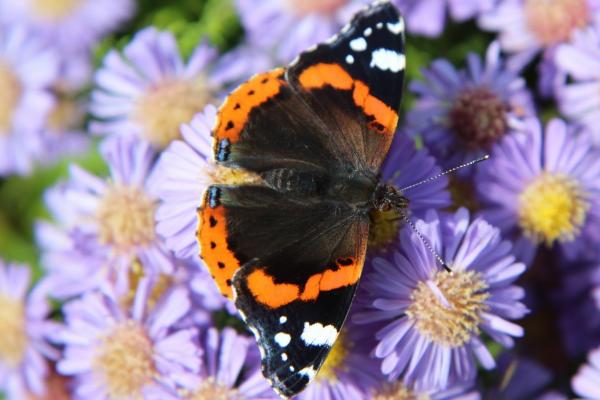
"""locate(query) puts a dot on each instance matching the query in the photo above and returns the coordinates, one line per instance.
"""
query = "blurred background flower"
(106, 112)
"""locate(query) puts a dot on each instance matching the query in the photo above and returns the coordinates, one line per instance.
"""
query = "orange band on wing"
(274, 295)
(212, 236)
(318, 76)
(234, 112)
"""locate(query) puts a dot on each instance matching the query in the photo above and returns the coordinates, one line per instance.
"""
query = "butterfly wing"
(292, 262)
(362, 68)
(294, 276)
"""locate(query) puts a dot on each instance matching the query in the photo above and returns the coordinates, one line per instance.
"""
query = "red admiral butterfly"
(289, 245)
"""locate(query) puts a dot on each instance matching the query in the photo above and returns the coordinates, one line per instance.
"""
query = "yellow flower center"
(305, 7)
(335, 360)
(552, 207)
(165, 107)
(10, 94)
(384, 228)
(126, 218)
(398, 391)
(54, 9)
(125, 361)
(553, 21)
(13, 338)
(210, 389)
(446, 309)
(65, 115)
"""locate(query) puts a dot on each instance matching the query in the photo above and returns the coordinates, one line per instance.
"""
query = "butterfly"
(288, 242)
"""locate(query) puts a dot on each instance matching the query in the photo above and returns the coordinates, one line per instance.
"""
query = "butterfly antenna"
(449, 171)
(425, 241)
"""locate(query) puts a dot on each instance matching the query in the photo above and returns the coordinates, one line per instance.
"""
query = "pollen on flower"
(305, 7)
(54, 9)
(125, 361)
(13, 340)
(446, 309)
(384, 228)
(552, 207)
(397, 391)
(553, 21)
(220, 174)
(478, 117)
(210, 389)
(126, 217)
(335, 361)
(10, 93)
(167, 105)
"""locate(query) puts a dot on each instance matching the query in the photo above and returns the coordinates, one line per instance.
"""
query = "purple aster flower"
(113, 219)
(528, 26)
(184, 171)
(23, 343)
(520, 378)
(461, 113)
(433, 320)
(428, 17)
(576, 300)
(149, 91)
(289, 27)
(579, 99)
(118, 352)
(544, 188)
(586, 383)
(399, 391)
(63, 133)
(71, 25)
(230, 370)
(405, 166)
(27, 70)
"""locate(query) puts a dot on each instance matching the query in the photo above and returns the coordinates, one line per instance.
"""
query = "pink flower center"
(478, 117)
(325, 7)
(553, 21)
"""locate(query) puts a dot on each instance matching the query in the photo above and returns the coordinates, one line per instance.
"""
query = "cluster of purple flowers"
(126, 309)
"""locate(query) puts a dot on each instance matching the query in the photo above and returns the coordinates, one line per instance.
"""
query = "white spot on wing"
(292, 368)
(397, 27)
(282, 339)
(385, 59)
(349, 59)
(284, 357)
(318, 335)
(282, 319)
(368, 32)
(310, 372)
(358, 44)
(379, 25)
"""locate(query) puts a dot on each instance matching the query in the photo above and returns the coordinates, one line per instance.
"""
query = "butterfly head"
(387, 197)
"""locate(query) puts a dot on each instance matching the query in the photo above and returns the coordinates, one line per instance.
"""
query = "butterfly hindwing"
(295, 273)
